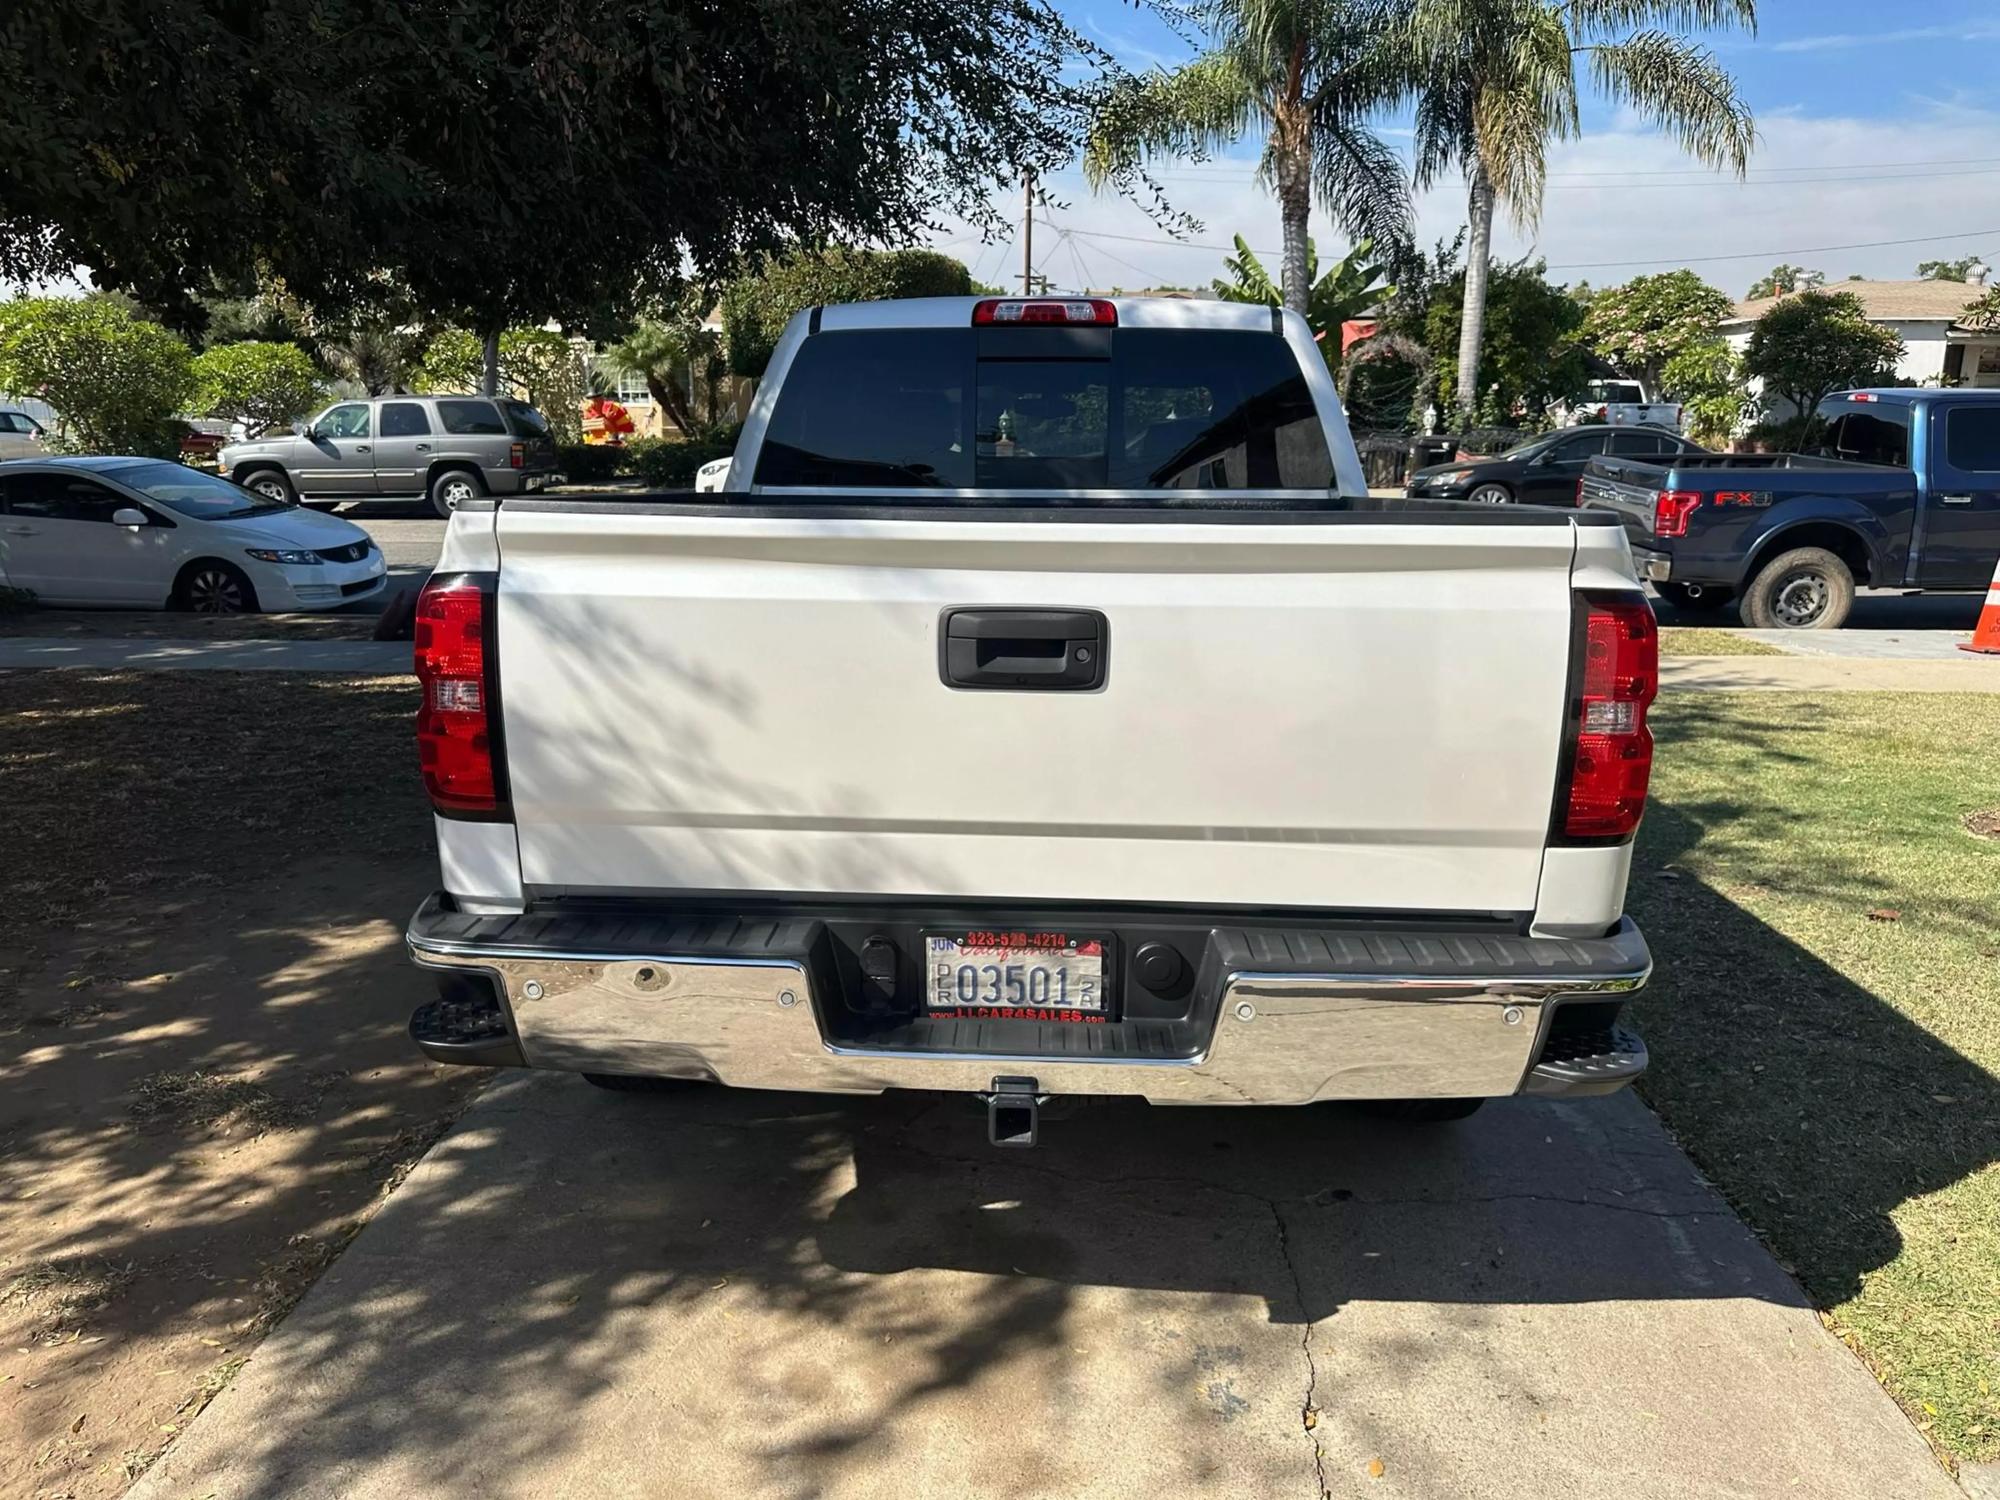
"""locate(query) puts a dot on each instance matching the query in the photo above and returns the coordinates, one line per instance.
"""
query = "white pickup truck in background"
(1043, 708)
(1620, 403)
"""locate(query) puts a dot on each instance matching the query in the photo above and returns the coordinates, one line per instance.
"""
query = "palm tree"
(681, 362)
(1495, 82)
(1301, 71)
(1349, 288)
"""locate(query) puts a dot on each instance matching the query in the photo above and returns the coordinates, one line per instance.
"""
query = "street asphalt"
(756, 1295)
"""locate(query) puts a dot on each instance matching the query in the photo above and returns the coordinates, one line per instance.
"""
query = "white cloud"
(1625, 196)
(1970, 31)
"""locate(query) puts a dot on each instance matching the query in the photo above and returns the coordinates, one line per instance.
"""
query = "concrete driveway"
(588, 1294)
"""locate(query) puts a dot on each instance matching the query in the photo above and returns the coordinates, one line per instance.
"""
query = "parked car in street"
(146, 533)
(443, 449)
(1900, 489)
(20, 435)
(1043, 707)
(1543, 470)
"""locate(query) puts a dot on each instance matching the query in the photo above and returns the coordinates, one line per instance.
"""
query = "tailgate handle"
(1022, 650)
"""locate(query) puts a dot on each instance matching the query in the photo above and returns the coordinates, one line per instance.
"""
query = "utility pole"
(1028, 234)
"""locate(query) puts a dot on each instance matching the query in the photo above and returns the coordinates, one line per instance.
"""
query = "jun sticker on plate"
(1026, 976)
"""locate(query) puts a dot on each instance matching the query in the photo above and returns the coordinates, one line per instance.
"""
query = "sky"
(1875, 123)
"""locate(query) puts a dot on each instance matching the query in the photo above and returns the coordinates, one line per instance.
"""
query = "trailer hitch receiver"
(1013, 1112)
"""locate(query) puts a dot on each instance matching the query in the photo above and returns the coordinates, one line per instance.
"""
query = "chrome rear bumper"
(754, 1021)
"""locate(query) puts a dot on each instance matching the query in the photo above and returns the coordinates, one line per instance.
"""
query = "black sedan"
(1543, 470)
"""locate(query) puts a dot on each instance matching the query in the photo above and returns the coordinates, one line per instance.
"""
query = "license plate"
(1031, 976)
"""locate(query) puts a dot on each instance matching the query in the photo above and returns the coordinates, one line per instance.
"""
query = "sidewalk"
(111, 654)
(1828, 674)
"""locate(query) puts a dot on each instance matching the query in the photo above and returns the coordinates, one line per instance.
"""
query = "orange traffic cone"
(1986, 634)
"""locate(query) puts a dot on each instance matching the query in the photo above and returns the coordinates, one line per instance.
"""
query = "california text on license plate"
(1026, 976)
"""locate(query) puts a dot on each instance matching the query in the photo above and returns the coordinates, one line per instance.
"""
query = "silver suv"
(444, 449)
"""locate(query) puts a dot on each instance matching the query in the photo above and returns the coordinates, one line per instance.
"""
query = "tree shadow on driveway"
(801, 1296)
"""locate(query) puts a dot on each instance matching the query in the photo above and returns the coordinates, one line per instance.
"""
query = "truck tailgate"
(1321, 712)
(1627, 487)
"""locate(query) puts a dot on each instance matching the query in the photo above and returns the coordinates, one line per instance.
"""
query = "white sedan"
(144, 533)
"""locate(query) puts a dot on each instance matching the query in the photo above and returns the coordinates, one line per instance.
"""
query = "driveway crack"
(1309, 1407)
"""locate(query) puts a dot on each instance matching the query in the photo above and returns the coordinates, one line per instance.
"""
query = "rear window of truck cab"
(1877, 433)
(1045, 409)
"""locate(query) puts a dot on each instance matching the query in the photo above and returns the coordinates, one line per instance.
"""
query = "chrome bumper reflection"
(1279, 1038)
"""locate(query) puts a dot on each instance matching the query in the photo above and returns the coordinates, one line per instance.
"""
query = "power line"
(1715, 182)
(1838, 171)
(1140, 239)
(1119, 260)
(1000, 261)
(1594, 265)
(1689, 260)
(1076, 259)
(1108, 255)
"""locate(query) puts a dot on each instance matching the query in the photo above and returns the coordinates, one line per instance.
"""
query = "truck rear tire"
(1807, 588)
(1423, 1111)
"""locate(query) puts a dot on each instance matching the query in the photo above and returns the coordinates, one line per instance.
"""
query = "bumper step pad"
(465, 1031)
(1587, 1062)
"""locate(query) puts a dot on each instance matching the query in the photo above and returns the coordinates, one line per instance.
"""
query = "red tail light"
(1611, 757)
(1578, 502)
(995, 311)
(1671, 509)
(457, 727)
(517, 456)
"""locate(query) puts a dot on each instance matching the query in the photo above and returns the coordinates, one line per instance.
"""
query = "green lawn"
(1825, 1018)
(1685, 640)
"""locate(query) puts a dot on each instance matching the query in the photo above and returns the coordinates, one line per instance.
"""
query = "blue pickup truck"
(1901, 489)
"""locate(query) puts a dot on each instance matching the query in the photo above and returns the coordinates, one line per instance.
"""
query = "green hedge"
(584, 463)
(666, 465)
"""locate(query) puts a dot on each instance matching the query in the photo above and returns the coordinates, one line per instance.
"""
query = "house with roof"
(1937, 348)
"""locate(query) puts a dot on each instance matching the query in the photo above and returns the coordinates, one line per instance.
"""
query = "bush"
(114, 380)
(1799, 434)
(665, 465)
(262, 385)
(584, 463)
(1484, 440)
(1815, 343)
(755, 308)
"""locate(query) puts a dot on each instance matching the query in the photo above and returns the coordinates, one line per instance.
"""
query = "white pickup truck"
(1044, 708)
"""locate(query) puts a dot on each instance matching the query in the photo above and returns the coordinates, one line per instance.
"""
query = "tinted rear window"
(1881, 436)
(527, 421)
(1972, 438)
(404, 419)
(471, 418)
(1135, 408)
(1642, 444)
